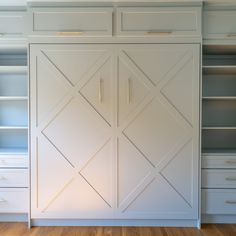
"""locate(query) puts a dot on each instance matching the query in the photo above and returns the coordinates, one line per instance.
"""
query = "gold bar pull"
(70, 33)
(231, 162)
(100, 90)
(231, 35)
(230, 178)
(129, 90)
(230, 202)
(159, 32)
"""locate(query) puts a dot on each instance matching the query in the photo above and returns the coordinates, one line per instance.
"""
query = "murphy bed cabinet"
(115, 123)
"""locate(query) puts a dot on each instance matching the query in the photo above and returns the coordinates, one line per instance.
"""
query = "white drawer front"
(159, 21)
(11, 162)
(13, 200)
(218, 201)
(219, 161)
(13, 178)
(219, 24)
(219, 178)
(12, 22)
(72, 21)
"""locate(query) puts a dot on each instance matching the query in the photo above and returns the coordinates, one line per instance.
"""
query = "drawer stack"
(219, 183)
(219, 131)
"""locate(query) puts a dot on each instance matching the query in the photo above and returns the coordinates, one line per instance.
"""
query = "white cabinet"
(13, 129)
(78, 21)
(162, 21)
(114, 131)
(218, 132)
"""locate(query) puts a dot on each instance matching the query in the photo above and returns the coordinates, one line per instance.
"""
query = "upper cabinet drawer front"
(219, 24)
(73, 21)
(157, 21)
(12, 22)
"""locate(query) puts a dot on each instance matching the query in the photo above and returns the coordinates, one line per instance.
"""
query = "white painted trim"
(112, 40)
(13, 217)
(139, 223)
(218, 219)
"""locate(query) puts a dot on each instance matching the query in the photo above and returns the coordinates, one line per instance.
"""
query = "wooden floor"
(20, 229)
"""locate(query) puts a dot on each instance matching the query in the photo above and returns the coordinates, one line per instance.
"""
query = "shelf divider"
(13, 69)
(13, 98)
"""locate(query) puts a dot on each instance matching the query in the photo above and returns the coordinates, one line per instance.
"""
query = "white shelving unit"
(219, 99)
(13, 129)
(219, 131)
(13, 99)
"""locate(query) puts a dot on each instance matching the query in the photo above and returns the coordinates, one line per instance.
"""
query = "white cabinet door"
(158, 114)
(71, 118)
(115, 131)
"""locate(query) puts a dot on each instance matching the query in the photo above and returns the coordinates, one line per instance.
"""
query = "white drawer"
(8, 161)
(219, 24)
(159, 21)
(72, 21)
(219, 161)
(13, 178)
(13, 200)
(12, 22)
(218, 201)
(218, 178)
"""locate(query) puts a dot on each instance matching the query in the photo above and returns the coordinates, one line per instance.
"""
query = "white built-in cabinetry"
(219, 132)
(115, 112)
(219, 115)
(13, 115)
(13, 130)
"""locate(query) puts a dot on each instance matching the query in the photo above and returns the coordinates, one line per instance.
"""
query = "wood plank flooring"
(20, 229)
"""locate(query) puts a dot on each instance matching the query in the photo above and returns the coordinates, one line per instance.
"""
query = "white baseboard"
(138, 223)
(11, 217)
(219, 219)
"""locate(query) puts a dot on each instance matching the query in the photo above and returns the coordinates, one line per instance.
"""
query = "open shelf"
(221, 60)
(14, 151)
(219, 139)
(218, 151)
(219, 85)
(219, 113)
(13, 113)
(13, 139)
(13, 57)
(13, 83)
